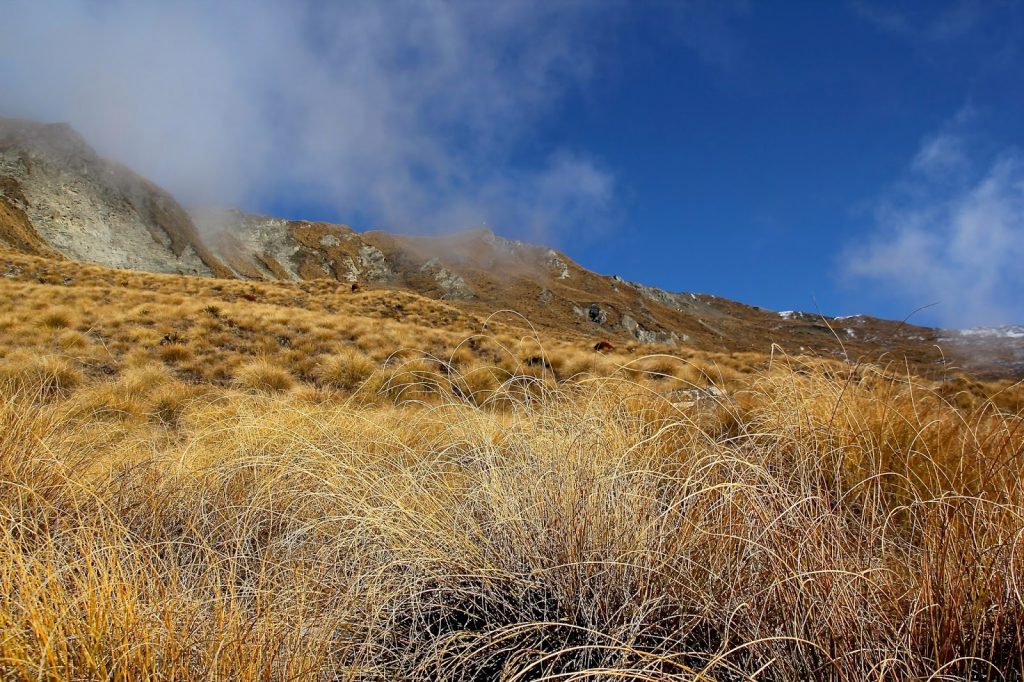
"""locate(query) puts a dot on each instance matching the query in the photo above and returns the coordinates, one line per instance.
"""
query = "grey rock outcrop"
(453, 286)
(648, 336)
(556, 264)
(374, 265)
(94, 210)
(592, 313)
(256, 235)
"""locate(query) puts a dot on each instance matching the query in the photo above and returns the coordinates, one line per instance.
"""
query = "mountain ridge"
(59, 198)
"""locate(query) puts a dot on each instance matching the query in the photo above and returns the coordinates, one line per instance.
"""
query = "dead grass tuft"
(345, 371)
(45, 376)
(56, 318)
(263, 375)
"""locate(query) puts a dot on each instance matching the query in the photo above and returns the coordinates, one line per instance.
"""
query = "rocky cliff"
(58, 195)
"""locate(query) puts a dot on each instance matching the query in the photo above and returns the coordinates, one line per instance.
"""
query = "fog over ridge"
(405, 114)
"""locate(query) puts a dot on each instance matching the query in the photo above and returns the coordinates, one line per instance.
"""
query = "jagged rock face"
(454, 286)
(681, 302)
(557, 265)
(648, 336)
(93, 210)
(253, 246)
(373, 265)
(16, 229)
(271, 248)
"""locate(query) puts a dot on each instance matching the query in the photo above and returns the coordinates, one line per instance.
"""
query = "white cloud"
(940, 154)
(408, 113)
(933, 23)
(955, 240)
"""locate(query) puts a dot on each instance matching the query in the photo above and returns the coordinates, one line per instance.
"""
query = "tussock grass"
(263, 375)
(205, 479)
(45, 376)
(836, 530)
(346, 370)
(56, 318)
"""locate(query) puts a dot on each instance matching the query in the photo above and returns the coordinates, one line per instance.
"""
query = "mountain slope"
(59, 198)
(481, 272)
(88, 208)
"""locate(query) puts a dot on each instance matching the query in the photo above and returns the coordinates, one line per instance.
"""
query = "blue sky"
(845, 157)
(758, 173)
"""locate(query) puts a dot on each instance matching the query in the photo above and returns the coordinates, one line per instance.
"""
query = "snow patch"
(1003, 332)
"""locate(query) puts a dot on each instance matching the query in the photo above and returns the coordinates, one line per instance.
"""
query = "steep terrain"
(481, 272)
(221, 479)
(59, 198)
(88, 208)
(275, 474)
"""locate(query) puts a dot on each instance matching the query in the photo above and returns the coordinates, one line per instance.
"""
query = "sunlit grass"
(828, 530)
(313, 493)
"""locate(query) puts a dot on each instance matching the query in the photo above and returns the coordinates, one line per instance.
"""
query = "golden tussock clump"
(56, 318)
(346, 370)
(45, 376)
(263, 375)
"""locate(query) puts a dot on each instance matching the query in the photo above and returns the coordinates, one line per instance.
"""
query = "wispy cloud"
(406, 113)
(951, 232)
(930, 22)
(940, 154)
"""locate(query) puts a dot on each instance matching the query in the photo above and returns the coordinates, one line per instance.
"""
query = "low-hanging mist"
(403, 115)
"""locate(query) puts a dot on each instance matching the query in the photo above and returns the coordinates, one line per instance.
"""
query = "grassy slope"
(526, 282)
(217, 479)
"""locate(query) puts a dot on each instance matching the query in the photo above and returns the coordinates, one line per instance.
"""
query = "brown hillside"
(481, 273)
(60, 198)
(221, 479)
